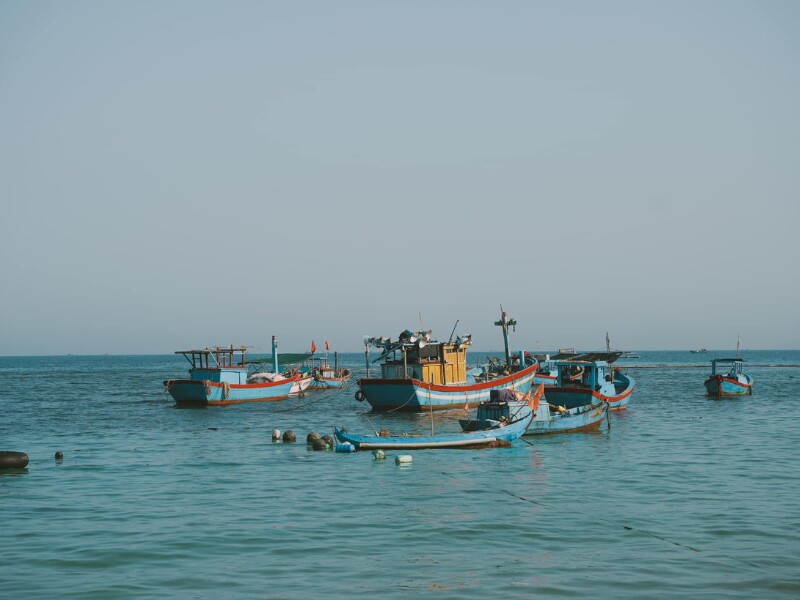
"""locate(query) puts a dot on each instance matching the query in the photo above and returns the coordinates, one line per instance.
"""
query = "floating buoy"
(59, 455)
(289, 436)
(345, 447)
(311, 437)
(379, 454)
(319, 444)
(13, 460)
(402, 459)
(276, 434)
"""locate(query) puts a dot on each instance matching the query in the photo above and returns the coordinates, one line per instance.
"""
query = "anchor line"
(643, 531)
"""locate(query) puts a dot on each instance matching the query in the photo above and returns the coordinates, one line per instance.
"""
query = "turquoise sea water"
(684, 496)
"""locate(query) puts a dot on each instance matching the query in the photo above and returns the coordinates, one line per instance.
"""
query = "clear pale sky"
(179, 174)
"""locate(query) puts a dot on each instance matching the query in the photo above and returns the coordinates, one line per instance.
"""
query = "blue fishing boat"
(494, 436)
(547, 418)
(546, 372)
(598, 382)
(221, 376)
(327, 376)
(421, 374)
(728, 379)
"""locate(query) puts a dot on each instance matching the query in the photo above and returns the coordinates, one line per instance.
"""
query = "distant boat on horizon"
(700, 351)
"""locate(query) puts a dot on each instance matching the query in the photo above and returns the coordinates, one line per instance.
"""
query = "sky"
(180, 174)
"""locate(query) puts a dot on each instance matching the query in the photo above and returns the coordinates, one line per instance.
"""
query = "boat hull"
(577, 420)
(191, 392)
(329, 383)
(718, 385)
(488, 438)
(301, 385)
(545, 378)
(572, 396)
(323, 382)
(412, 395)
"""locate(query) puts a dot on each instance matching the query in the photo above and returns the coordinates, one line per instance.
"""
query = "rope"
(629, 528)
(404, 403)
(324, 396)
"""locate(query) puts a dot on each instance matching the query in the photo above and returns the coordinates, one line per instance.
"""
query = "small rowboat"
(501, 435)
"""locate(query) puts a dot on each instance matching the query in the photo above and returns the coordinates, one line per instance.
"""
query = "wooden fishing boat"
(547, 418)
(599, 383)
(547, 373)
(421, 374)
(327, 376)
(221, 376)
(498, 435)
(728, 379)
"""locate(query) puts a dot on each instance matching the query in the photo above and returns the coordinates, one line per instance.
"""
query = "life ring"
(360, 396)
(13, 460)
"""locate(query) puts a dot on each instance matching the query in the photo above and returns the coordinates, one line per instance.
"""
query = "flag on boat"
(327, 345)
(313, 347)
(536, 398)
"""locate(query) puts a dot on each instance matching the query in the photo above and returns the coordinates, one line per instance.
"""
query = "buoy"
(345, 447)
(13, 460)
(311, 437)
(289, 436)
(402, 459)
(319, 444)
(379, 454)
(59, 455)
(276, 434)
(360, 396)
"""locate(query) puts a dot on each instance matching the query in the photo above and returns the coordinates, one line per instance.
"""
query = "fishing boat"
(547, 373)
(699, 351)
(598, 382)
(728, 379)
(221, 376)
(547, 418)
(500, 434)
(294, 365)
(327, 376)
(421, 374)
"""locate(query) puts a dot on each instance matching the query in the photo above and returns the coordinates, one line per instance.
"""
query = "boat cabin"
(437, 363)
(594, 373)
(218, 364)
(728, 367)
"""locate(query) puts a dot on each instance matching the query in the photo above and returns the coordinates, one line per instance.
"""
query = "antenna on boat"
(737, 344)
(505, 322)
(452, 332)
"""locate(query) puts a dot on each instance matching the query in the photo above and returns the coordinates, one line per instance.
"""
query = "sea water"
(680, 496)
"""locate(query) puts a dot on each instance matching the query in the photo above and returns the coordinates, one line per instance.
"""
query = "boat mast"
(366, 353)
(505, 323)
(274, 354)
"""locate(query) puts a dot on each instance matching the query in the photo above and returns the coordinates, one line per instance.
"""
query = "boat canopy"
(608, 357)
(284, 359)
(216, 356)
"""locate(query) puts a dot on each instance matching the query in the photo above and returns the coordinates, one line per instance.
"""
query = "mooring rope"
(629, 528)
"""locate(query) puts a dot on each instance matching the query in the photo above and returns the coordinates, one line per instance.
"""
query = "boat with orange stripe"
(420, 374)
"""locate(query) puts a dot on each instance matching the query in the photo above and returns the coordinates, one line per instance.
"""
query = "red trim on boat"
(453, 388)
